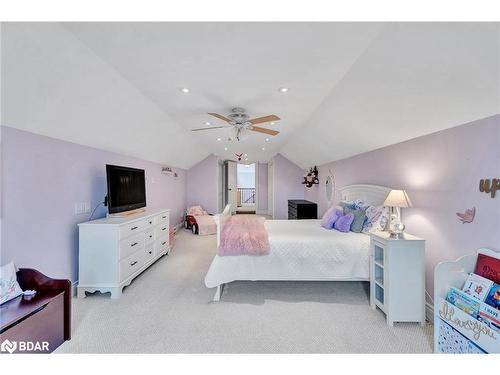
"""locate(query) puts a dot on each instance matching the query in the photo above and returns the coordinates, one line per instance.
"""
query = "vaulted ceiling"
(353, 87)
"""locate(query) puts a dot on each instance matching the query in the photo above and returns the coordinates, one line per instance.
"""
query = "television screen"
(126, 188)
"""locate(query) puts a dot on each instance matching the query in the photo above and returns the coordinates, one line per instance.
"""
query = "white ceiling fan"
(241, 123)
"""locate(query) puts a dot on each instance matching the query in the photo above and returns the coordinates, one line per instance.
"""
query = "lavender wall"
(441, 174)
(42, 179)
(262, 182)
(286, 185)
(202, 188)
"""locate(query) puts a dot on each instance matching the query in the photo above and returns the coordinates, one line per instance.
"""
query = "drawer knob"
(150, 252)
(134, 228)
(135, 243)
(163, 228)
(150, 222)
(163, 243)
(150, 236)
(133, 263)
(163, 217)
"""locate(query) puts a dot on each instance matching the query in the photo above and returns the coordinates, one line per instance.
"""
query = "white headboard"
(370, 194)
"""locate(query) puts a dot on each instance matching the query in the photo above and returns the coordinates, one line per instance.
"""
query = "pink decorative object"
(244, 235)
(196, 211)
(467, 216)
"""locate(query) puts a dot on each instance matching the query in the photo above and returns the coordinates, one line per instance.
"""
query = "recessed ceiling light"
(225, 148)
(219, 139)
(267, 139)
(185, 90)
(272, 123)
(263, 148)
(208, 123)
(283, 89)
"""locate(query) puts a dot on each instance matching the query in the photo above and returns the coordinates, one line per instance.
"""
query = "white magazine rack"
(454, 330)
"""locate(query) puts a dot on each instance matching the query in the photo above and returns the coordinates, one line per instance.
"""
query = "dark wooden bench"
(45, 318)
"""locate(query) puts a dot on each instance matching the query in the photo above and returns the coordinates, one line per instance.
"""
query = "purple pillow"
(343, 223)
(330, 217)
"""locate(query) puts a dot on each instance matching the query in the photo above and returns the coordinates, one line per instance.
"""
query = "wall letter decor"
(489, 186)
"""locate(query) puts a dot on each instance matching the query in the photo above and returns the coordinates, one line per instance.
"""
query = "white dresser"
(114, 250)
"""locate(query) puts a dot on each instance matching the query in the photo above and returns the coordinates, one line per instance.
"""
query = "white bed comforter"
(300, 250)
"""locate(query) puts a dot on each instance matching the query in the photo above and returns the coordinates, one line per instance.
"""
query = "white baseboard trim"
(74, 285)
(429, 312)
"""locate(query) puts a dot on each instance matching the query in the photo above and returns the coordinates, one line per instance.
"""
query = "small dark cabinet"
(302, 209)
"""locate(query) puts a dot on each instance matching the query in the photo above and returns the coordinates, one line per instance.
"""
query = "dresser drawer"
(162, 218)
(131, 245)
(149, 253)
(161, 230)
(133, 228)
(151, 222)
(149, 236)
(161, 246)
(131, 264)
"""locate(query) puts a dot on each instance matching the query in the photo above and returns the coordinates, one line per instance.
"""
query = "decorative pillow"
(358, 220)
(330, 217)
(9, 287)
(343, 223)
(357, 204)
(377, 218)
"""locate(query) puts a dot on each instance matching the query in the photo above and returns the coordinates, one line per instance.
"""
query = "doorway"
(245, 188)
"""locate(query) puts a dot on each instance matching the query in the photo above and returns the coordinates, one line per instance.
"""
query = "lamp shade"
(397, 198)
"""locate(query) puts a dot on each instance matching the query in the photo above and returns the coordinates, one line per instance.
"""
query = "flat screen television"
(126, 188)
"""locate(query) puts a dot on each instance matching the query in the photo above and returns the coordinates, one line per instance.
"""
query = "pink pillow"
(330, 217)
(343, 223)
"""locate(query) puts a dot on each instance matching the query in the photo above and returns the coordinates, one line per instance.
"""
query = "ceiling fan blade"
(219, 117)
(212, 127)
(260, 120)
(264, 130)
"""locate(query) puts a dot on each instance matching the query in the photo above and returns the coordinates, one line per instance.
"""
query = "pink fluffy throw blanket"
(244, 235)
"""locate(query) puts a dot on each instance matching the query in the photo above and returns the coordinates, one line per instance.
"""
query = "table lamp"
(396, 200)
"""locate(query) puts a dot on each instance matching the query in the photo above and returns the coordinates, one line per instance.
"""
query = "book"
(477, 286)
(489, 316)
(493, 297)
(463, 301)
(488, 267)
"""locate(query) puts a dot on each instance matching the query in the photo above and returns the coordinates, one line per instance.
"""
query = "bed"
(301, 250)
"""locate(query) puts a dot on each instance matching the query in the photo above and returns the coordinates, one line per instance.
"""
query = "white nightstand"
(397, 277)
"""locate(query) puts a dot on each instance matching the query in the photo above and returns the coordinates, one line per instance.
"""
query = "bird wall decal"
(467, 216)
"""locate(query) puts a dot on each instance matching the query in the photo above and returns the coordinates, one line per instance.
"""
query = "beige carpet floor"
(168, 309)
